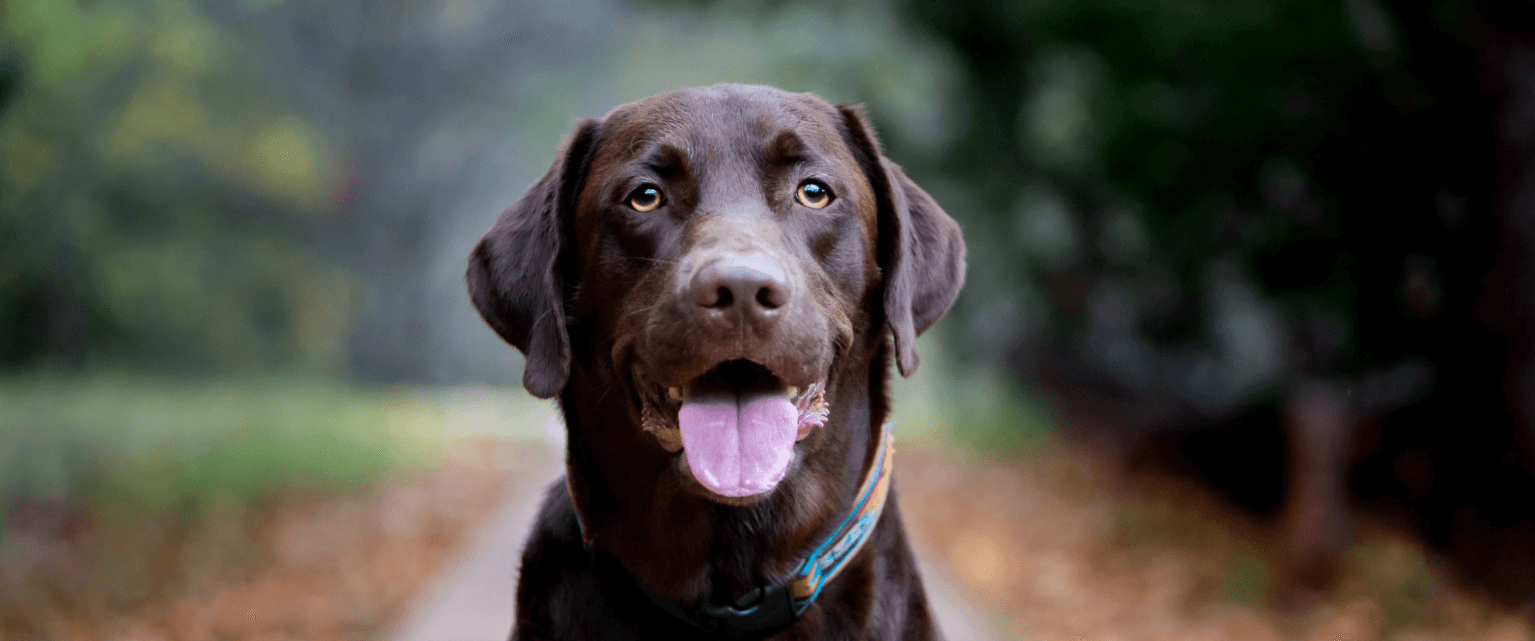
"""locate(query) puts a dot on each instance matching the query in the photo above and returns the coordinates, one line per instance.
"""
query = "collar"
(772, 608)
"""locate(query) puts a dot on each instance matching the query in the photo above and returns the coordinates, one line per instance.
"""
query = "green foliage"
(1397, 574)
(1185, 195)
(1247, 579)
(980, 408)
(151, 201)
(994, 414)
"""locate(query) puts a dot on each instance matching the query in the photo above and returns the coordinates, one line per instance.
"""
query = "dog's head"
(715, 252)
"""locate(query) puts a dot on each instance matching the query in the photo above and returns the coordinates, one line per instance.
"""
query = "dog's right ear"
(514, 271)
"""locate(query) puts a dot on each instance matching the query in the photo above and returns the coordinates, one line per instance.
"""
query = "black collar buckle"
(755, 615)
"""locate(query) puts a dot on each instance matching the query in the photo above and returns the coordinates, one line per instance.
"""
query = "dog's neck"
(686, 548)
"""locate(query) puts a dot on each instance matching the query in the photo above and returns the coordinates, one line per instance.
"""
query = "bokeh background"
(1245, 352)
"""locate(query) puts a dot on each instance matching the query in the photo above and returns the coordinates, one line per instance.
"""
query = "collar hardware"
(762, 611)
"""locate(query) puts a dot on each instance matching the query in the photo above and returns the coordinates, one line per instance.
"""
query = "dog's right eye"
(646, 198)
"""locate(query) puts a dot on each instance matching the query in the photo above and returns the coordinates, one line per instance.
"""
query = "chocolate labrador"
(705, 280)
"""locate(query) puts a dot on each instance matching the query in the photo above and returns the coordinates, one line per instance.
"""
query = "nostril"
(771, 297)
(710, 293)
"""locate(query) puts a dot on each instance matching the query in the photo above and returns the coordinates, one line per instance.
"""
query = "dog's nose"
(751, 284)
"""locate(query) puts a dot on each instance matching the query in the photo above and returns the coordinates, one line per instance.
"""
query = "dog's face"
(715, 253)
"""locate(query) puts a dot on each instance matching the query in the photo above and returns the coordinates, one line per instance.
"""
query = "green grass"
(157, 448)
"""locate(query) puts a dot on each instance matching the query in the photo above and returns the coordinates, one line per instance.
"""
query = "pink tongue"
(738, 443)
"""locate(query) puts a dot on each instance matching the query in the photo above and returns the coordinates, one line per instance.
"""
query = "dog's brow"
(667, 160)
(787, 148)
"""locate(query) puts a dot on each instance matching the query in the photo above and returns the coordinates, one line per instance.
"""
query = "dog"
(713, 283)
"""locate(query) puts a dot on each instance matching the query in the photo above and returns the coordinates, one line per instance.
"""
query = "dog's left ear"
(920, 250)
(514, 271)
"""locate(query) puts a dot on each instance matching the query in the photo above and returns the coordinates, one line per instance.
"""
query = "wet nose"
(751, 286)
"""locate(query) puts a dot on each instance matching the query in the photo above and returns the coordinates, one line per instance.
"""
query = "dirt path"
(472, 598)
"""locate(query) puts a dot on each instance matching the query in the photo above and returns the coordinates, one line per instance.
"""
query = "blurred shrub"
(152, 199)
(1208, 199)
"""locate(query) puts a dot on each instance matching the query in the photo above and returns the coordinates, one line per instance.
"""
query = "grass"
(123, 445)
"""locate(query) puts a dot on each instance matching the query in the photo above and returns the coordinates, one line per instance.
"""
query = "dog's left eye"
(813, 194)
(646, 198)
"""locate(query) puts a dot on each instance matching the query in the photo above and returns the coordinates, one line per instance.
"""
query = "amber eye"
(646, 198)
(813, 194)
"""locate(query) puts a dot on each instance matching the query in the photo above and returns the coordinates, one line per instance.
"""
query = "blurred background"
(1247, 348)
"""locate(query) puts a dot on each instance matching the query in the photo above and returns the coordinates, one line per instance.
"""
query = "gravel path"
(472, 599)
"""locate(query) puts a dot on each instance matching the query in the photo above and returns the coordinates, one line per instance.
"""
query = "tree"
(1241, 220)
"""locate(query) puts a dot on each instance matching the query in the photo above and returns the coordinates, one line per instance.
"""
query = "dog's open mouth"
(737, 425)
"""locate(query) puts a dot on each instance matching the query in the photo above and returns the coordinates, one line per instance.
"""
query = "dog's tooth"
(675, 393)
(793, 392)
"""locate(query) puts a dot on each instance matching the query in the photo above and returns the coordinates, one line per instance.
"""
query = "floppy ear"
(920, 250)
(514, 271)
